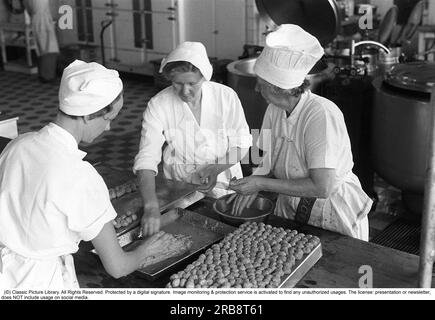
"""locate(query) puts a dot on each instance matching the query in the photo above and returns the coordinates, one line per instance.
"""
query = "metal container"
(242, 79)
(401, 126)
(204, 231)
(387, 61)
(321, 18)
(259, 210)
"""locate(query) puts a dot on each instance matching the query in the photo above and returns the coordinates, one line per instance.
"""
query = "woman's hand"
(240, 202)
(150, 222)
(206, 177)
(246, 186)
(156, 243)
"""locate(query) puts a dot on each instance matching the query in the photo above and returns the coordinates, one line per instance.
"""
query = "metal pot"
(400, 126)
(259, 210)
(242, 79)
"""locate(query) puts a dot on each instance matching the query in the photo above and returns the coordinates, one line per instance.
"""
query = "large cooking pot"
(242, 79)
(401, 128)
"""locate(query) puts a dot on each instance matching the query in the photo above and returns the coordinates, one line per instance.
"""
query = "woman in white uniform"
(308, 158)
(43, 28)
(50, 199)
(203, 124)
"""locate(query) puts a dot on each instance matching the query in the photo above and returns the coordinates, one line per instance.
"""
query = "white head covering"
(193, 52)
(86, 88)
(289, 55)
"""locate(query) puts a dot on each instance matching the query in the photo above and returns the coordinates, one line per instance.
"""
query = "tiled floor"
(35, 104)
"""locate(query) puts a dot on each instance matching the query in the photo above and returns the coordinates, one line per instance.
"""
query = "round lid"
(318, 17)
(415, 76)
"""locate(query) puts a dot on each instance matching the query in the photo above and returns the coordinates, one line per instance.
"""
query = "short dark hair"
(98, 113)
(178, 67)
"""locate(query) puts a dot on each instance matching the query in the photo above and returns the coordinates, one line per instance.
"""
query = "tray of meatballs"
(202, 252)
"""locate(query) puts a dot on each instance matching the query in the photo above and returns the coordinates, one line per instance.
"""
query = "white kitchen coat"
(168, 118)
(50, 200)
(43, 26)
(315, 136)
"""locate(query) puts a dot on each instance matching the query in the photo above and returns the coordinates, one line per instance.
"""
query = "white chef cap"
(193, 52)
(289, 55)
(86, 88)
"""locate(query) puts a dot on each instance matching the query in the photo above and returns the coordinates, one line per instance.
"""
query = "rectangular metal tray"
(301, 268)
(134, 200)
(170, 194)
(203, 230)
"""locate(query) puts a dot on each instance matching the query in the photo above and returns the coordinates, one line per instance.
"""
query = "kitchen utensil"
(387, 25)
(259, 210)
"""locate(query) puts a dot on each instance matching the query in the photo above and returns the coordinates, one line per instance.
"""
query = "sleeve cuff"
(139, 165)
(325, 164)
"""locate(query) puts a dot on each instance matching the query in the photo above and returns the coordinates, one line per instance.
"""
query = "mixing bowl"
(259, 210)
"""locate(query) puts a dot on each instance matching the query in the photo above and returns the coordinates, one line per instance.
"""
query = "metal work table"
(338, 268)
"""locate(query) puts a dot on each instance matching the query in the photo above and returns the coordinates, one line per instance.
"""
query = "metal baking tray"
(170, 194)
(203, 230)
(133, 201)
(301, 268)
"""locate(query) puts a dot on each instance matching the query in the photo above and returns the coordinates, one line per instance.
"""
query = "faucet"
(354, 45)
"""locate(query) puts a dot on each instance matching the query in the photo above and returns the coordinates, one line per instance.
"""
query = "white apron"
(17, 271)
(43, 26)
(330, 214)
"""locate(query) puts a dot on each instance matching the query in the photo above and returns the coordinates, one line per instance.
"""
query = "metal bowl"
(259, 210)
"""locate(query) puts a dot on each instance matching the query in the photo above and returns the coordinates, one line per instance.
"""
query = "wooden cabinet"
(230, 28)
(164, 25)
(219, 24)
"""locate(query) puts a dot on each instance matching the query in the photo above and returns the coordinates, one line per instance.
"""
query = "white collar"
(65, 138)
(294, 115)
